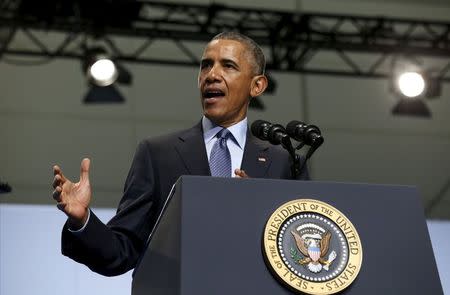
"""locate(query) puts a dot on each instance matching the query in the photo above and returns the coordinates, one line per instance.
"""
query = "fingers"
(71, 197)
(84, 173)
(241, 173)
(57, 185)
(57, 194)
(58, 182)
(57, 197)
(57, 171)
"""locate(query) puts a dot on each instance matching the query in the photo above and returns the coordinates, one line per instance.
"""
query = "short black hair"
(259, 60)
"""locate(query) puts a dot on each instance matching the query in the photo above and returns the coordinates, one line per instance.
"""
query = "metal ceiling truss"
(292, 40)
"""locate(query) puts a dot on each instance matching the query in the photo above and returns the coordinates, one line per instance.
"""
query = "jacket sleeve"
(114, 248)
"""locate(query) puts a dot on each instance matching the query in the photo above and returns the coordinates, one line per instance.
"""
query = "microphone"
(309, 134)
(274, 133)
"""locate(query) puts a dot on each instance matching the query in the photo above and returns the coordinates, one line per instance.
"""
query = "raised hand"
(73, 198)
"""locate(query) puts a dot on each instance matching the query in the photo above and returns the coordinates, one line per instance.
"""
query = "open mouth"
(213, 94)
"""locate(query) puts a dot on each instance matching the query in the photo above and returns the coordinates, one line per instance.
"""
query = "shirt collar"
(239, 131)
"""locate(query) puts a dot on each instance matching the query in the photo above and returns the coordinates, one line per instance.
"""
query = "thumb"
(84, 173)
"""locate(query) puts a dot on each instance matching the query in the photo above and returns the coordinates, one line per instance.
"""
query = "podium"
(208, 239)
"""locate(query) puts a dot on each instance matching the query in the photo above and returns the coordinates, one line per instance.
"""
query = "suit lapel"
(256, 159)
(191, 148)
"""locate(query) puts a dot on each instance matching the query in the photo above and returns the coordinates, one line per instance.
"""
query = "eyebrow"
(222, 61)
(226, 60)
(205, 61)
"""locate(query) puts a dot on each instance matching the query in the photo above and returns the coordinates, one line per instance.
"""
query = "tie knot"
(223, 134)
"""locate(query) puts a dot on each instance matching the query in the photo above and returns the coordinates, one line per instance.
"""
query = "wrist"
(76, 224)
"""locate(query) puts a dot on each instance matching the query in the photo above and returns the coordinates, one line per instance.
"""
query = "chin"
(214, 117)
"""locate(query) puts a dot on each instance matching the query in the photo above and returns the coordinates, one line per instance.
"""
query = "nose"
(213, 75)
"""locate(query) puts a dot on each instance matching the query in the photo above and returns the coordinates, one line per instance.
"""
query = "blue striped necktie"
(220, 159)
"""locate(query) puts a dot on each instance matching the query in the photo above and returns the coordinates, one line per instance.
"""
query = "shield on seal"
(314, 253)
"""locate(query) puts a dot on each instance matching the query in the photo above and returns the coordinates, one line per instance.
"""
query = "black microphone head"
(260, 129)
(290, 127)
(313, 136)
(275, 134)
(296, 130)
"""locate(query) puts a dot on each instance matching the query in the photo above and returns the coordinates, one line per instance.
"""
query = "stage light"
(103, 72)
(411, 84)
(99, 67)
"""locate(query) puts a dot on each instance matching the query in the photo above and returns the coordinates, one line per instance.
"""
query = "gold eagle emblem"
(314, 248)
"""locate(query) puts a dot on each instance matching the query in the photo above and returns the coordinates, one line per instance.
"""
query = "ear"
(259, 84)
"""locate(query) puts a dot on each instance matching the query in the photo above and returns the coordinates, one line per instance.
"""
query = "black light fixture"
(413, 87)
(102, 73)
(412, 83)
(99, 68)
(409, 86)
(103, 95)
(5, 188)
(413, 107)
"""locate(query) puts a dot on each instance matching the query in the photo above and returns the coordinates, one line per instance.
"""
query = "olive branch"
(295, 255)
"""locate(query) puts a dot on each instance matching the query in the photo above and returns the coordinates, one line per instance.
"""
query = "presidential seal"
(312, 247)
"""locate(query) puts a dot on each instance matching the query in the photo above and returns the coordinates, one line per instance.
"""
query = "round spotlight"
(103, 72)
(411, 84)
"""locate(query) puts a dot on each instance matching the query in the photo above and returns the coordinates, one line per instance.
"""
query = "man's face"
(226, 81)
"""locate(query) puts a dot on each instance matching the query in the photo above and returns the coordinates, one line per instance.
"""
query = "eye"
(230, 66)
(205, 64)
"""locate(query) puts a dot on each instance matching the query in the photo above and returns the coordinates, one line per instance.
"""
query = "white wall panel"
(31, 261)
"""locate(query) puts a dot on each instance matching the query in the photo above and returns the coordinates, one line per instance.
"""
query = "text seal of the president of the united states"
(312, 247)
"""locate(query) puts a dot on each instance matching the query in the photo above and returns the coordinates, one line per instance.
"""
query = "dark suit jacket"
(114, 248)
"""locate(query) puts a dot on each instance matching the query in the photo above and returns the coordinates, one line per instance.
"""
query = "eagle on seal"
(314, 252)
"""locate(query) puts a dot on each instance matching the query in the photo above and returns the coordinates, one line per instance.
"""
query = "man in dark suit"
(231, 73)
